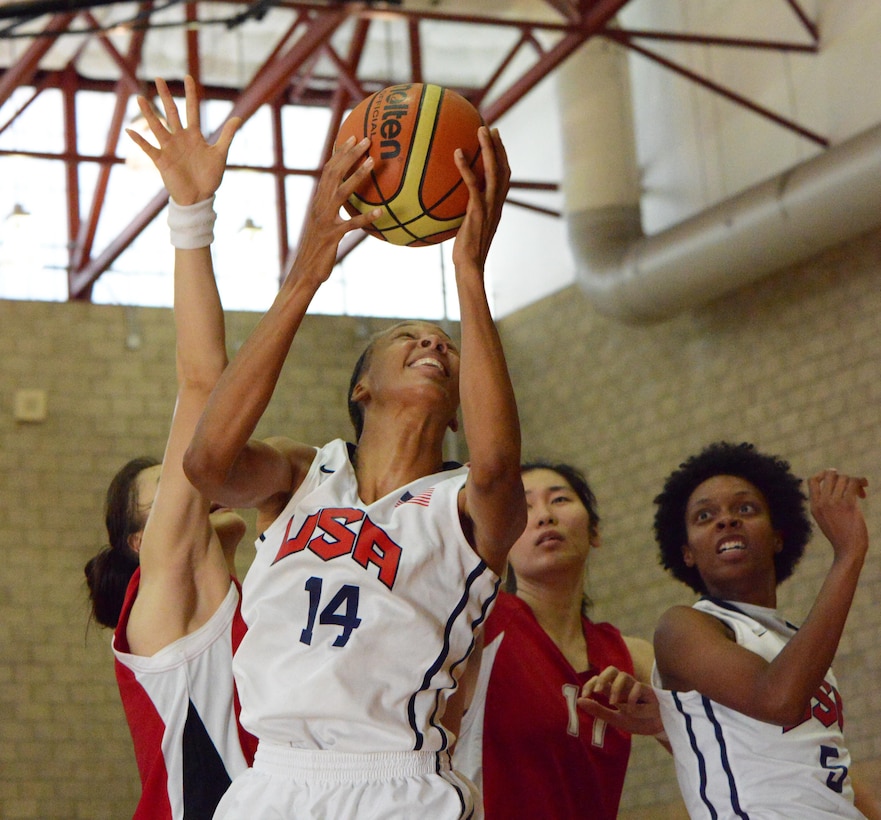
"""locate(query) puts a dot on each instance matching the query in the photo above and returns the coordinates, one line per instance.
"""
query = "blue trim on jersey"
(439, 661)
(475, 625)
(450, 779)
(484, 613)
(699, 758)
(722, 604)
(723, 758)
(732, 608)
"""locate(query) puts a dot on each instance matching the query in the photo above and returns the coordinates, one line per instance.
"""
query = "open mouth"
(428, 361)
(730, 546)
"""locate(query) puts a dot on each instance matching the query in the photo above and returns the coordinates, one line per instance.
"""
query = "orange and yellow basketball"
(414, 128)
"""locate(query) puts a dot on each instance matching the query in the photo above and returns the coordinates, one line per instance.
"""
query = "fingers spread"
(171, 115)
(194, 117)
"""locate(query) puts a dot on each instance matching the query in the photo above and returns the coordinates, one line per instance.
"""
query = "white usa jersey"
(733, 766)
(360, 616)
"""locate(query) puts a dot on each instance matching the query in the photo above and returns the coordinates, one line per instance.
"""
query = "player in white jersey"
(164, 582)
(749, 703)
(375, 566)
(735, 765)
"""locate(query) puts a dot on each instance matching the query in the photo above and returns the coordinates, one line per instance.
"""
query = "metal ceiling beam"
(22, 72)
(343, 96)
(290, 75)
(806, 21)
(265, 87)
(719, 89)
(30, 9)
(594, 17)
(126, 67)
(752, 43)
(71, 165)
(85, 239)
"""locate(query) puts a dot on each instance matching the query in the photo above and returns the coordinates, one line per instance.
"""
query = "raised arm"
(493, 506)
(695, 651)
(223, 460)
(184, 575)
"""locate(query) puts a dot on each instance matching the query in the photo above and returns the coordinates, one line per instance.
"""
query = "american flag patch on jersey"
(422, 499)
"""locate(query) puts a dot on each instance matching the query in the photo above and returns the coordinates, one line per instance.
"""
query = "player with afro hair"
(769, 474)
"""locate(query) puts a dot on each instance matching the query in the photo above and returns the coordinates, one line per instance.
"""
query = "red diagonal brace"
(23, 71)
(267, 85)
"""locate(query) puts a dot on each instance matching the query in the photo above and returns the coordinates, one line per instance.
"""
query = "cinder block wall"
(791, 363)
(64, 745)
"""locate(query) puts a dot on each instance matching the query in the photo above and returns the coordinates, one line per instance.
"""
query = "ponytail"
(108, 573)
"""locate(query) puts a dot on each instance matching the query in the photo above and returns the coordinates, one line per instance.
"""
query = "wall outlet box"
(30, 404)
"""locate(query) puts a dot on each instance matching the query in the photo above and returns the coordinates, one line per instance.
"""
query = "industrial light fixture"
(250, 229)
(18, 213)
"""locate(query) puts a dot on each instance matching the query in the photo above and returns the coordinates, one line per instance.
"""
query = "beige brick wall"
(65, 751)
(791, 363)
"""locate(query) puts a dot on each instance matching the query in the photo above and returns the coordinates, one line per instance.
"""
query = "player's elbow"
(201, 373)
(199, 382)
(202, 469)
(783, 708)
(497, 470)
(792, 714)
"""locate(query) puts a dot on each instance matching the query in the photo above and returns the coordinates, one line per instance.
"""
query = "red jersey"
(541, 755)
(182, 712)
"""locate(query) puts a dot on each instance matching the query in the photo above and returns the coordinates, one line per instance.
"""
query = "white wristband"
(191, 226)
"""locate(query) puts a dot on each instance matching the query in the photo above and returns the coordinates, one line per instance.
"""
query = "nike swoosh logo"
(325, 470)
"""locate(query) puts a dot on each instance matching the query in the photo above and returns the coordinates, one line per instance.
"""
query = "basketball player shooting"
(376, 562)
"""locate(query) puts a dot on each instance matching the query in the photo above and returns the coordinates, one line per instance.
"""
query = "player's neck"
(557, 611)
(385, 462)
(758, 592)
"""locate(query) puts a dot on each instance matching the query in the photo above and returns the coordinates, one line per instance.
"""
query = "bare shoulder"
(298, 457)
(681, 621)
(686, 639)
(298, 454)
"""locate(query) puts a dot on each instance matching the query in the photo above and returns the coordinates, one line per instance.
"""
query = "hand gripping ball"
(414, 128)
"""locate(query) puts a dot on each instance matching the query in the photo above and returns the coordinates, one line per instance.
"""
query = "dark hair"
(108, 573)
(356, 412)
(771, 475)
(578, 482)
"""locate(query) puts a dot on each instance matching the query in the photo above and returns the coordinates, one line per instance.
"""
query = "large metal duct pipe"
(640, 279)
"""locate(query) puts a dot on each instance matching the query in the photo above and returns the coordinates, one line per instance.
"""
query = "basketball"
(414, 128)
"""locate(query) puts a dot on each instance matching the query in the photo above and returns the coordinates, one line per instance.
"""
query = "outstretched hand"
(191, 169)
(633, 706)
(484, 206)
(836, 509)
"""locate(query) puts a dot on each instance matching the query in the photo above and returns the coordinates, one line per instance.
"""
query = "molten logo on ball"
(390, 126)
(414, 129)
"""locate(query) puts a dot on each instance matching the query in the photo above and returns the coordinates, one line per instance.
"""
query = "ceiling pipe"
(641, 279)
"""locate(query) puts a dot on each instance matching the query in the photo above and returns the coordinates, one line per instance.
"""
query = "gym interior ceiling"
(277, 53)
